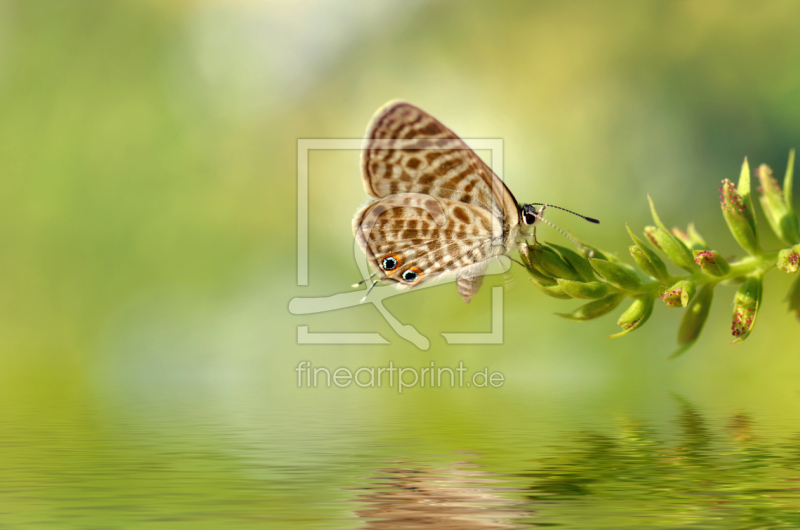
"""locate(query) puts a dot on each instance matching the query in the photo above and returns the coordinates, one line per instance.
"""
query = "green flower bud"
(636, 315)
(711, 262)
(541, 278)
(594, 309)
(586, 290)
(672, 247)
(551, 290)
(591, 252)
(746, 193)
(535, 268)
(690, 239)
(745, 308)
(554, 265)
(577, 262)
(642, 260)
(689, 288)
(672, 296)
(698, 242)
(779, 214)
(615, 274)
(693, 319)
(676, 251)
(737, 208)
(788, 259)
(682, 236)
(648, 260)
(679, 294)
(650, 234)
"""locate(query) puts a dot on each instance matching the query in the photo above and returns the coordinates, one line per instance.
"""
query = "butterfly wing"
(407, 150)
(410, 238)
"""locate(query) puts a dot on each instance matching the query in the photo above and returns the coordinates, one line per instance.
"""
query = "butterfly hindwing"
(411, 238)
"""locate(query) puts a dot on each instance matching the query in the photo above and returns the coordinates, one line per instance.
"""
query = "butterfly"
(437, 210)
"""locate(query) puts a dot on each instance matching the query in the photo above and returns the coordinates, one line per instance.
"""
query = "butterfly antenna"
(371, 287)
(565, 233)
(364, 280)
(590, 219)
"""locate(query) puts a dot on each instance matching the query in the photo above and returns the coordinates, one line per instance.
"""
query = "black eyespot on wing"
(410, 275)
(389, 263)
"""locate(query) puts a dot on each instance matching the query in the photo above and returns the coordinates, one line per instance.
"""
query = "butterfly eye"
(389, 263)
(410, 275)
(528, 214)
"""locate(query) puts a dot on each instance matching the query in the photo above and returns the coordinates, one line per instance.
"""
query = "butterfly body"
(437, 210)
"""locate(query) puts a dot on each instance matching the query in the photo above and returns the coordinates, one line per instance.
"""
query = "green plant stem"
(743, 267)
(738, 269)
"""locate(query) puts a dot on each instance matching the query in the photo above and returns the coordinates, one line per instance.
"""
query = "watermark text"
(392, 376)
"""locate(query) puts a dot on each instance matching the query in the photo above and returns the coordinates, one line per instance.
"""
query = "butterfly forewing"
(408, 150)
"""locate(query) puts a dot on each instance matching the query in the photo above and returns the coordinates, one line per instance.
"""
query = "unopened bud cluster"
(606, 281)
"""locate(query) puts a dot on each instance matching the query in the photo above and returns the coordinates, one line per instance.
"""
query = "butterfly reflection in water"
(438, 210)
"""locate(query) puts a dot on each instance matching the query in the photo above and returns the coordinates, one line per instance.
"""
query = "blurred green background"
(148, 190)
(148, 152)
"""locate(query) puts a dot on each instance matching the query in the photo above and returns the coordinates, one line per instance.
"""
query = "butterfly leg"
(530, 237)
(539, 217)
(522, 246)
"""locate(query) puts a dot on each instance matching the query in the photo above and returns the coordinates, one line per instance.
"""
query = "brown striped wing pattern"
(439, 210)
(407, 150)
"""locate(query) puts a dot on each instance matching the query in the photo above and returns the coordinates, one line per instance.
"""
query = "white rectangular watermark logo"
(341, 301)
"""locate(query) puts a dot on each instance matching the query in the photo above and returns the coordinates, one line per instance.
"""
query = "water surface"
(235, 455)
